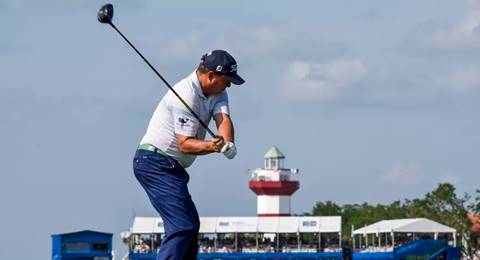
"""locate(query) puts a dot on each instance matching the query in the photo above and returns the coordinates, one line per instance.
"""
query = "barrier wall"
(421, 249)
(279, 256)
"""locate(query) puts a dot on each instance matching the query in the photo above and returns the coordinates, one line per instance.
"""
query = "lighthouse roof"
(274, 152)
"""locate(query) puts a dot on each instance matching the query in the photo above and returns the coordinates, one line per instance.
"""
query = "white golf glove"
(229, 150)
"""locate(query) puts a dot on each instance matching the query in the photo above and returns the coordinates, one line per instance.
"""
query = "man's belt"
(151, 148)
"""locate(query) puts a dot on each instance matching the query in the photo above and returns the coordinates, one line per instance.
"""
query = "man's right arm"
(190, 145)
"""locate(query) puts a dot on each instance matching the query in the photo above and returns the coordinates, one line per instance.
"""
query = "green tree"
(441, 205)
(327, 208)
(444, 206)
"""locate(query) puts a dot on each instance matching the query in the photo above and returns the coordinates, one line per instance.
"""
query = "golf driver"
(105, 15)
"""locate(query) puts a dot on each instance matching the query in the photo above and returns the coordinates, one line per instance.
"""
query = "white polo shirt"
(172, 117)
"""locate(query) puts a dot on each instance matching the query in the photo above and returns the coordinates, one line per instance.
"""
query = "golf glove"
(229, 150)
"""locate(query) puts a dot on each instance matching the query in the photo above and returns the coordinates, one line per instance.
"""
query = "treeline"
(442, 205)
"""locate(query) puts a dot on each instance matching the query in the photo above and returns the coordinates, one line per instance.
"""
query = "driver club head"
(105, 14)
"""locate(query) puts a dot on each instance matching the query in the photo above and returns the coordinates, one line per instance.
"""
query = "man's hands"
(217, 143)
(190, 145)
(229, 150)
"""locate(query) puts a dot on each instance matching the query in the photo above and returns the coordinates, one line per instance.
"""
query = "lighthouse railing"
(274, 175)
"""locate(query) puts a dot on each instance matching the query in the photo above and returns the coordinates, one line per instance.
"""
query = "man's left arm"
(225, 126)
(225, 129)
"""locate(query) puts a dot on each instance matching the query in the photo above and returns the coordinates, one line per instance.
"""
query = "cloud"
(252, 44)
(442, 57)
(461, 37)
(403, 173)
(71, 5)
(312, 82)
(465, 79)
(470, 23)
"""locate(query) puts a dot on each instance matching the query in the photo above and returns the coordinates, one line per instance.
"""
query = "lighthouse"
(274, 185)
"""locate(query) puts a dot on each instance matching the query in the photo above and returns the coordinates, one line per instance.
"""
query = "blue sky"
(372, 100)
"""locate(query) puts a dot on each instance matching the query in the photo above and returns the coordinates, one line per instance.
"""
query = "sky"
(373, 101)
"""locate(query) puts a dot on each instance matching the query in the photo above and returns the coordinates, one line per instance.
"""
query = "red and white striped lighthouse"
(273, 185)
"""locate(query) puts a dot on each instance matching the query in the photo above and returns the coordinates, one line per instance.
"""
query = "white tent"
(225, 225)
(257, 225)
(267, 225)
(287, 225)
(409, 225)
(210, 225)
(246, 224)
(235, 225)
(143, 225)
(158, 226)
(330, 224)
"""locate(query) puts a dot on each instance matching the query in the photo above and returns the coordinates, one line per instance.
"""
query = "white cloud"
(464, 34)
(465, 79)
(403, 173)
(185, 47)
(471, 21)
(445, 56)
(253, 43)
(306, 81)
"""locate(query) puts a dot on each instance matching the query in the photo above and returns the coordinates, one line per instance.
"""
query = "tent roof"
(288, 225)
(158, 226)
(408, 225)
(209, 225)
(143, 225)
(331, 224)
(235, 225)
(268, 224)
(81, 232)
(246, 224)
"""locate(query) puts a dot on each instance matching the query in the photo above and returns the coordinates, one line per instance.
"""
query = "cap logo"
(233, 68)
(219, 68)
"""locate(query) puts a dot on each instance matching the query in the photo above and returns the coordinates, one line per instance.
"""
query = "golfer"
(173, 140)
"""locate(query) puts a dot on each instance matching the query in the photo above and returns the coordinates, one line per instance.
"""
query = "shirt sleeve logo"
(183, 121)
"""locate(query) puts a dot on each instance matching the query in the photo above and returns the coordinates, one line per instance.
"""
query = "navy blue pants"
(165, 182)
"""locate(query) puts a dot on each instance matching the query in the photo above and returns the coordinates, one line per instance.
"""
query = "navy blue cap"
(223, 63)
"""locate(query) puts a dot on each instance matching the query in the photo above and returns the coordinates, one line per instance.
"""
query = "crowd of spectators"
(266, 243)
(245, 243)
(145, 243)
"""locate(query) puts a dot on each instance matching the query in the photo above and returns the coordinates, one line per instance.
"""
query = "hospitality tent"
(211, 225)
(208, 225)
(273, 226)
(409, 225)
(144, 225)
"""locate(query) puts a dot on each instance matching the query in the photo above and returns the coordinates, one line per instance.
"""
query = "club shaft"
(166, 83)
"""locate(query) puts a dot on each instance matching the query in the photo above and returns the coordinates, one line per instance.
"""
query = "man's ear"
(210, 76)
